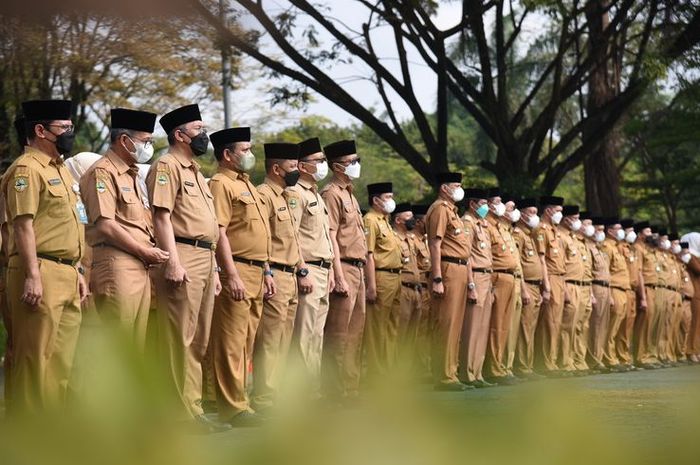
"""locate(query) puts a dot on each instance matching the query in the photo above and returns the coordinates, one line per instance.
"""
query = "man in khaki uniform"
(672, 321)
(185, 226)
(121, 227)
(449, 252)
(683, 342)
(383, 281)
(423, 262)
(342, 343)
(45, 219)
(575, 285)
(553, 257)
(644, 356)
(279, 311)
(664, 296)
(412, 286)
(505, 262)
(513, 216)
(584, 240)
(242, 252)
(629, 251)
(312, 223)
(523, 234)
(475, 330)
(600, 315)
(619, 285)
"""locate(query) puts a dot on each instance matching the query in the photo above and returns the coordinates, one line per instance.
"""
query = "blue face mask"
(482, 211)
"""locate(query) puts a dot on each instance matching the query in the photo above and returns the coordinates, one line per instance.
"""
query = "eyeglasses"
(65, 127)
(318, 160)
(350, 162)
(146, 143)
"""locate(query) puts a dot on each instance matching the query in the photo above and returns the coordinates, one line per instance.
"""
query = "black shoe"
(207, 426)
(209, 406)
(503, 380)
(451, 387)
(617, 369)
(246, 419)
(481, 384)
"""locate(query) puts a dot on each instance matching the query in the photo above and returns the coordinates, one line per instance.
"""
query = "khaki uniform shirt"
(382, 241)
(663, 268)
(110, 190)
(676, 280)
(601, 262)
(442, 222)
(176, 185)
(345, 220)
(574, 259)
(410, 272)
(480, 235)
(687, 289)
(552, 247)
(311, 221)
(646, 256)
(284, 248)
(619, 274)
(43, 188)
(503, 249)
(586, 256)
(529, 257)
(629, 251)
(423, 256)
(240, 209)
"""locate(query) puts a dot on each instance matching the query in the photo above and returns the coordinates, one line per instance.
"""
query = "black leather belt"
(322, 263)
(258, 263)
(578, 283)
(619, 288)
(458, 261)
(285, 268)
(62, 261)
(389, 270)
(415, 286)
(534, 282)
(651, 286)
(353, 262)
(601, 283)
(482, 270)
(510, 272)
(196, 243)
(668, 288)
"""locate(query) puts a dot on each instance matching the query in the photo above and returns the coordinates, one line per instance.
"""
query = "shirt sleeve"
(23, 192)
(538, 235)
(99, 194)
(333, 205)
(371, 233)
(163, 185)
(437, 225)
(222, 201)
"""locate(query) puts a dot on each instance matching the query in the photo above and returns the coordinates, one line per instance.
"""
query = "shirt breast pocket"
(243, 208)
(284, 223)
(57, 201)
(190, 188)
(132, 208)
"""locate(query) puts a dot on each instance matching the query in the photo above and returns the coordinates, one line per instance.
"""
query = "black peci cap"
(46, 110)
(379, 188)
(641, 225)
(548, 200)
(403, 207)
(611, 221)
(475, 193)
(229, 136)
(585, 215)
(685, 245)
(627, 223)
(570, 210)
(527, 203)
(493, 192)
(673, 237)
(123, 118)
(309, 147)
(281, 151)
(339, 149)
(180, 116)
(447, 178)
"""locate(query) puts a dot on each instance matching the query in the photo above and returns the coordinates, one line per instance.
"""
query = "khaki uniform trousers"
(308, 327)
(121, 290)
(644, 328)
(568, 324)
(448, 312)
(269, 356)
(581, 328)
(229, 340)
(618, 312)
(526, 332)
(341, 361)
(7, 322)
(686, 327)
(549, 327)
(684, 320)
(598, 327)
(671, 326)
(502, 310)
(409, 321)
(44, 336)
(665, 300)
(425, 332)
(514, 328)
(623, 344)
(184, 320)
(475, 330)
(382, 325)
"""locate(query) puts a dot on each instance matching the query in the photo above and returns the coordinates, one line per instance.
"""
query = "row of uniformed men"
(282, 254)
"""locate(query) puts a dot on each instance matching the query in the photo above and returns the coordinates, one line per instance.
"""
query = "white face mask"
(514, 216)
(458, 194)
(556, 218)
(631, 237)
(499, 209)
(665, 245)
(620, 235)
(589, 230)
(247, 162)
(389, 206)
(321, 171)
(533, 221)
(685, 258)
(353, 170)
(676, 249)
(575, 225)
(143, 154)
(599, 236)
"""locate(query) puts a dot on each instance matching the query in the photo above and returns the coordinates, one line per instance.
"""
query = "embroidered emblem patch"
(162, 179)
(292, 203)
(21, 183)
(100, 186)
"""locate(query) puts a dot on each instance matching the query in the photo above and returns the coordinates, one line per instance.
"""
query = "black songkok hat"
(548, 200)
(475, 193)
(282, 151)
(123, 118)
(493, 192)
(182, 115)
(46, 110)
(569, 210)
(309, 147)
(685, 245)
(339, 149)
(673, 237)
(229, 136)
(403, 207)
(641, 225)
(585, 215)
(627, 223)
(527, 203)
(379, 188)
(447, 178)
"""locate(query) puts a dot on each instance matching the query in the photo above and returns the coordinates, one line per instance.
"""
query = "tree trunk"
(602, 178)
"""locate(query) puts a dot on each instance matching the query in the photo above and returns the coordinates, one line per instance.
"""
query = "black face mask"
(199, 144)
(291, 178)
(64, 142)
(410, 224)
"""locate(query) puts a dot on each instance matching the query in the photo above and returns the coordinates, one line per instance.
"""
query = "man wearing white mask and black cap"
(691, 259)
(576, 286)
(634, 267)
(600, 315)
(120, 226)
(312, 225)
(584, 237)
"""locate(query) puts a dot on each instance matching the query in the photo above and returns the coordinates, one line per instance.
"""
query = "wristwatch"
(471, 286)
(437, 280)
(268, 273)
(302, 272)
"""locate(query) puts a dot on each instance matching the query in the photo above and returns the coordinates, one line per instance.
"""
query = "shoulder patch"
(100, 186)
(162, 178)
(540, 237)
(293, 203)
(21, 183)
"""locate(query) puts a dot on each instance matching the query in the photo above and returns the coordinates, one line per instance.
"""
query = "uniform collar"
(43, 158)
(526, 229)
(347, 185)
(235, 175)
(375, 213)
(121, 166)
(276, 188)
(185, 161)
(308, 185)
